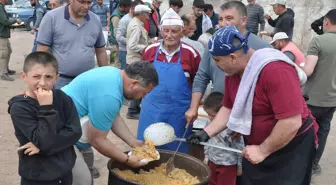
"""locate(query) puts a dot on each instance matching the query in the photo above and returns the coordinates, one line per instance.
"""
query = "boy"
(224, 166)
(46, 125)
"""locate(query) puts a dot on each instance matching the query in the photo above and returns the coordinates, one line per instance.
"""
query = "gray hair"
(139, 13)
(144, 72)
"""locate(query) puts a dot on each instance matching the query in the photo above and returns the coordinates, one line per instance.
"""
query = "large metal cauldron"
(192, 165)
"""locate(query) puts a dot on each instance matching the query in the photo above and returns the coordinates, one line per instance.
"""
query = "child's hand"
(239, 171)
(44, 97)
(30, 149)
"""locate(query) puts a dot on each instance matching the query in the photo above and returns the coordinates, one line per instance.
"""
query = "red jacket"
(190, 58)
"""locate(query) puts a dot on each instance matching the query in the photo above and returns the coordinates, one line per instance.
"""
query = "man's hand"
(32, 31)
(44, 97)
(135, 143)
(239, 171)
(30, 149)
(267, 16)
(198, 137)
(254, 154)
(134, 162)
(191, 115)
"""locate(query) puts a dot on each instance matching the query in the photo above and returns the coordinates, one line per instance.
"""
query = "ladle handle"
(215, 146)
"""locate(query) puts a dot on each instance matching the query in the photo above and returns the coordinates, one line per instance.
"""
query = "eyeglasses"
(88, 3)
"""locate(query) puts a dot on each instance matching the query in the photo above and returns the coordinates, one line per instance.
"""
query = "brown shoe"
(6, 77)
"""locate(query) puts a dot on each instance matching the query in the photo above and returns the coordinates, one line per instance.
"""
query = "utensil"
(170, 162)
(163, 133)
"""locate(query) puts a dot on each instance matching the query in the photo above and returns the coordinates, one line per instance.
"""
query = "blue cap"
(221, 43)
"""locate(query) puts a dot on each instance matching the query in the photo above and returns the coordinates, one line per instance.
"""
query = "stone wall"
(306, 11)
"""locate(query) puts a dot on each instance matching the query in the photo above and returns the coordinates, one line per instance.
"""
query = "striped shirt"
(101, 11)
(255, 16)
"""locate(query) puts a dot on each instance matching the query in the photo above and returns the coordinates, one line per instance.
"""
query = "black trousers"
(134, 107)
(323, 116)
(67, 180)
(291, 165)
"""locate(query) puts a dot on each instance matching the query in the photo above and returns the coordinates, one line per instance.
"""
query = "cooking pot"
(191, 164)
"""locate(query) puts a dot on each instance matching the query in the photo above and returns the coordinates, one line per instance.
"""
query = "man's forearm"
(120, 129)
(102, 58)
(218, 124)
(196, 99)
(108, 149)
(283, 132)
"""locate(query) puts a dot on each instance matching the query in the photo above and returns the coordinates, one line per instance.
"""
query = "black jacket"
(284, 23)
(54, 129)
(317, 26)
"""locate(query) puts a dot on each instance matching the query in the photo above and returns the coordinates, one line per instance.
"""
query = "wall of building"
(306, 11)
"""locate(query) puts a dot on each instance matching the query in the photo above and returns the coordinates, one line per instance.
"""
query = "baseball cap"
(279, 36)
(282, 2)
(142, 8)
(221, 43)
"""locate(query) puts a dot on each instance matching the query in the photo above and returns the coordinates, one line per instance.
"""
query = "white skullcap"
(142, 8)
(281, 2)
(171, 18)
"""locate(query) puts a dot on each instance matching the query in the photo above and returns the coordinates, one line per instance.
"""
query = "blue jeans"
(35, 42)
(122, 59)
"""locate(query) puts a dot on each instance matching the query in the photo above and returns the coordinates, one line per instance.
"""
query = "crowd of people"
(167, 62)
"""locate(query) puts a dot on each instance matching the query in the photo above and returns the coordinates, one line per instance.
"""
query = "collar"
(163, 50)
(67, 13)
(139, 21)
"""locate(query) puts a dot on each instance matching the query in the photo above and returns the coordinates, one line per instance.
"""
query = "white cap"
(282, 2)
(279, 36)
(171, 18)
(142, 8)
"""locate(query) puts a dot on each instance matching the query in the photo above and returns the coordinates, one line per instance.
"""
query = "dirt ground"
(21, 44)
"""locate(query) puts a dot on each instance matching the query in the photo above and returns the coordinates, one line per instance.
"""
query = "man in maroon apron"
(282, 139)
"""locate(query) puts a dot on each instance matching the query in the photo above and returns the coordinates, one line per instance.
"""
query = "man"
(98, 95)
(118, 13)
(152, 25)
(188, 30)
(121, 33)
(320, 87)
(113, 5)
(284, 22)
(39, 12)
(317, 26)
(209, 11)
(55, 3)
(137, 40)
(104, 14)
(280, 131)
(232, 13)
(281, 42)
(176, 64)
(255, 17)
(5, 46)
(74, 39)
(176, 5)
(203, 22)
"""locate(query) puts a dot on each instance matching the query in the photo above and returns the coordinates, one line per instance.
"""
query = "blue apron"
(167, 102)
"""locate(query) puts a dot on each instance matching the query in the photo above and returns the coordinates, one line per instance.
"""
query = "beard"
(130, 96)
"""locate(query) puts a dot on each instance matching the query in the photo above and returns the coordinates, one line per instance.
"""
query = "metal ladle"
(163, 133)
